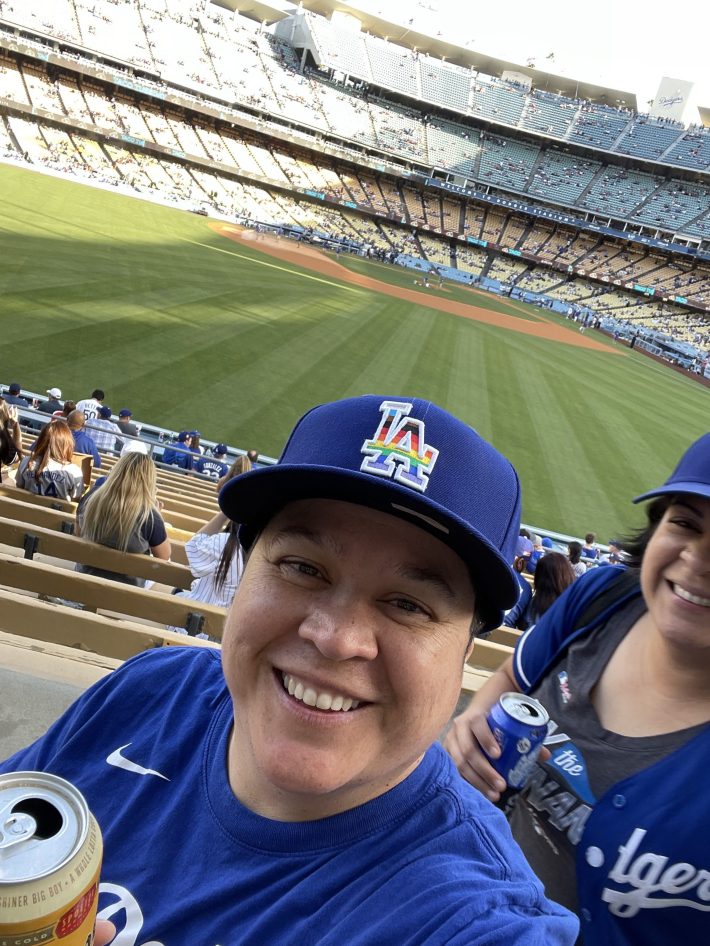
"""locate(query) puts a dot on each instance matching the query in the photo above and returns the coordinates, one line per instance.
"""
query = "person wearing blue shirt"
(177, 453)
(213, 466)
(83, 442)
(13, 396)
(291, 789)
(614, 818)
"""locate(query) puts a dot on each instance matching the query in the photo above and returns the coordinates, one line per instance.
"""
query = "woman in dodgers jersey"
(615, 818)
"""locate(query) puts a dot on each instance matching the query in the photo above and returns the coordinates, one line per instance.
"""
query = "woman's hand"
(466, 741)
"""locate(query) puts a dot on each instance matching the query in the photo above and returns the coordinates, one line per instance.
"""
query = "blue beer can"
(519, 724)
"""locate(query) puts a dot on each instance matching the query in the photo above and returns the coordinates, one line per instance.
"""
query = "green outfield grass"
(189, 329)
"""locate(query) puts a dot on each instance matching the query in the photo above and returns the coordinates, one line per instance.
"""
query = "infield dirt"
(314, 260)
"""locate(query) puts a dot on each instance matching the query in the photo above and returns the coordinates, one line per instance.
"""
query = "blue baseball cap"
(547, 542)
(409, 458)
(124, 412)
(219, 449)
(692, 475)
(105, 412)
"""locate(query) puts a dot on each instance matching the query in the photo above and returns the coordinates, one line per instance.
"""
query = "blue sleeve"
(539, 647)
(516, 612)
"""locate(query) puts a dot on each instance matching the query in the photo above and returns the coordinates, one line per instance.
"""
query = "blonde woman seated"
(121, 512)
(49, 469)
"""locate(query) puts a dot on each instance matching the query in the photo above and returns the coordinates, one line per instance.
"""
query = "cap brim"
(252, 498)
(688, 487)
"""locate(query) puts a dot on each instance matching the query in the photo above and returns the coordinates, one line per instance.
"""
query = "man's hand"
(105, 932)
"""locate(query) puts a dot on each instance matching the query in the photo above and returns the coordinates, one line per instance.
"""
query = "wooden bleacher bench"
(55, 624)
(46, 502)
(38, 515)
(107, 595)
(33, 513)
(35, 539)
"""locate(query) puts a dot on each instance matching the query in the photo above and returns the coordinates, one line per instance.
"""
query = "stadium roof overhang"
(460, 55)
(265, 11)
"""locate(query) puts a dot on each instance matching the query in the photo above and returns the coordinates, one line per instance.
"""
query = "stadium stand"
(190, 130)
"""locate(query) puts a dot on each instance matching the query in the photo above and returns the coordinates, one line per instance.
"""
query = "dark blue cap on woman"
(691, 476)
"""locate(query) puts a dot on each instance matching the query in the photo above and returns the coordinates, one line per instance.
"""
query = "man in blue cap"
(294, 791)
(213, 466)
(177, 452)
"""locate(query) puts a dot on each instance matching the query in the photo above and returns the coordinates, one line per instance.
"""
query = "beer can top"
(44, 820)
(524, 709)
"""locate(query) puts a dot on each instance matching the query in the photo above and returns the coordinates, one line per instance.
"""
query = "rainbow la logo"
(398, 450)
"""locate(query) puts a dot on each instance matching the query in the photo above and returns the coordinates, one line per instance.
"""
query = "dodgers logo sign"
(398, 450)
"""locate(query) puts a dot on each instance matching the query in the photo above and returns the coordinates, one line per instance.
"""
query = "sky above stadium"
(626, 44)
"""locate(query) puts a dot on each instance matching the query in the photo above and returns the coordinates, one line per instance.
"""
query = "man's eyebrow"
(428, 576)
(310, 535)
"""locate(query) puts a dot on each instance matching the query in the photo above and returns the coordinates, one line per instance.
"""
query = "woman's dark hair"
(553, 573)
(575, 552)
(590, 537)
(225, 559)
(69, 406)
(636, 542)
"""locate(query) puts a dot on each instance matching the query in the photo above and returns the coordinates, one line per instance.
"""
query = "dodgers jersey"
(642, 849)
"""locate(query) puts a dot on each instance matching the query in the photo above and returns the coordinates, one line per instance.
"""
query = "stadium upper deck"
(231, 59)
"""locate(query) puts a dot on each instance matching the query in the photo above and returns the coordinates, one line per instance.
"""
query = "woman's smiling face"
(675, 575)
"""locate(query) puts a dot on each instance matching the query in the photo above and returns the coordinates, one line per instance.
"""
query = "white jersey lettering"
(650, 874)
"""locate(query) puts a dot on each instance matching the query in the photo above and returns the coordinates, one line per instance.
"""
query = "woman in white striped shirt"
(215, 557)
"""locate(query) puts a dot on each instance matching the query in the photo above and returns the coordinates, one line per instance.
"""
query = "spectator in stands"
(524, 544)
(241, 465)
(105, 433)
(90, 405)
(304, 759)
(553, 575)
(49, 469)
(524, 592)
(195, 447)
(177, 453)
(615, 555)
(13, 396)
(10, 436)
(253, 456)
(52, 403)
(574, 554)
(621, 662)
(69, 406)
(126, 425)
(536, 554)
(213, 466)
(121, 511)
(83, 442)
(590, 552)
(216, 560)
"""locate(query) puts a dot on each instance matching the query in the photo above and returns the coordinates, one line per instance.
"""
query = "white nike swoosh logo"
(121, 762)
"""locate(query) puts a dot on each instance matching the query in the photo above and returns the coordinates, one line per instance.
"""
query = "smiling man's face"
(343, 653)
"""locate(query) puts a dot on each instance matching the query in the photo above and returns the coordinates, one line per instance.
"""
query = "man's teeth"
(311, 697)
(686, 596)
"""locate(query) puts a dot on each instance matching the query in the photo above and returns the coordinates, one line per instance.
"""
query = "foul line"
(260, 262)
